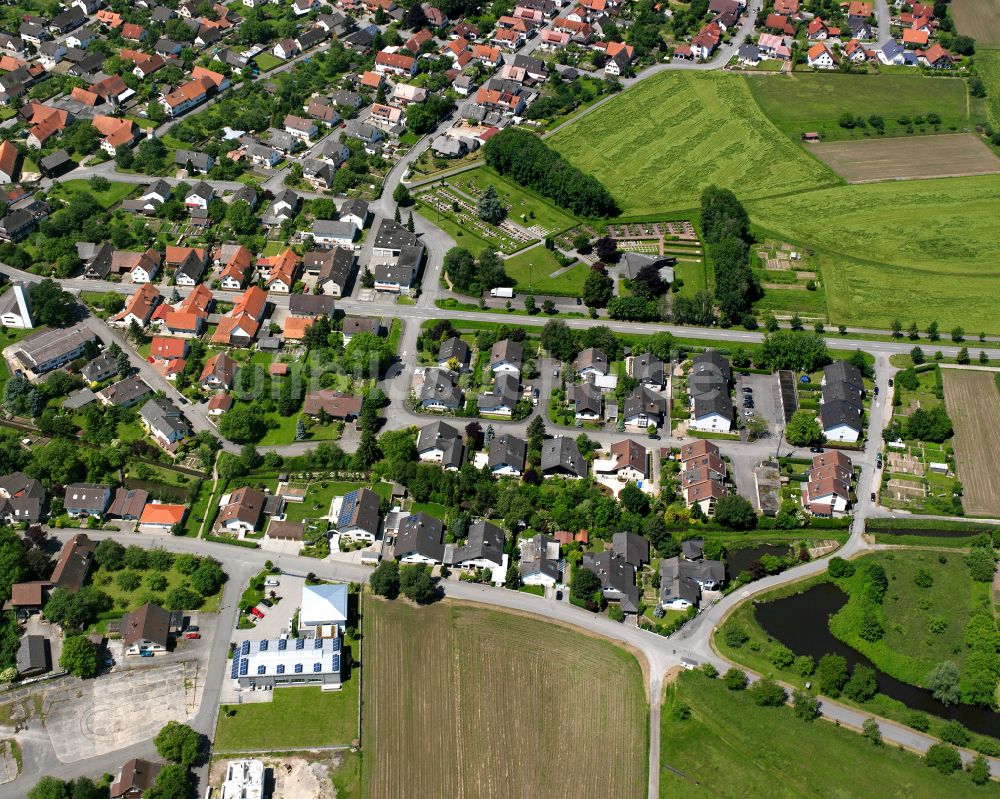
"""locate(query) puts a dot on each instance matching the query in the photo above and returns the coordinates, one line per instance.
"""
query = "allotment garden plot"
(460, 701)
(948, 155)
(973, 400)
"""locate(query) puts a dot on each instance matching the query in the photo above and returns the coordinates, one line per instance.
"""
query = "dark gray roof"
(337, 266)
(440, 388)
(485, 541)
(504, 394)
(617, 578)
(561, 456)
(707, 404)
(535, 558)
(711, 361)
(166, 417)
(842, 392)
(435, 434)
(592, 358)
(126, 391)
(365, 512)
(630, 547)
(508, 450)
(311, 304)
(587, 399)
(647, 368)
(836, 413)
(453, 347)
(693, 549)
(393, 236)
(24, 497)
(507, 350)
(843, 372)
(421, 534)
(643, 400)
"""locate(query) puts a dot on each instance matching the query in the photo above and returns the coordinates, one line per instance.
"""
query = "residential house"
(335, 268)
(236, 260)
(22, 498)
(562, 458)
(310, 305)
(647, 369)
(125, 393)
(85, 499)
(146, 629)
(441, 443)
(333, 233)
(127, 504)
(358, 517)
(284, 206)
(483, 548)
(644, 408)
(15, 307)
(540, 562)
(46, 350)
(135, 778)
(239, 327)
(161, 518)
(241, 511)
(587, 402)
(507, 357)
(628, 460)
(821, 56)
(280, 272)
(502, 399)
(683, 581)
(100, 369)
(827, 490)
(301, 128)
(352, 326)
(708, 387)
(508, 456)
(591, 362)
(334, 404)
(395, 63)
(440, 392)
(165, 421)
(219, 373)
(617, 568)
(454, 349)
(420, 539)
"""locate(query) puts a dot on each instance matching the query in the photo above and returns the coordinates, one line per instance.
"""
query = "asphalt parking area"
(766, 397)
(119, 710)
(275, 621)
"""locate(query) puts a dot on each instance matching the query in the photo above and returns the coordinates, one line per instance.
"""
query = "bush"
(782, 656)
(861, 687)
(735, 679)
(944, 758)
(806, 705)
(838, 567)
(919, 721)
(767, 693)
(735, 636)
(681, 712)
(953, 732)
(832, 674)
(979, 770)
(871, 731)
(385, 579)
(804, 665)
(709, 671)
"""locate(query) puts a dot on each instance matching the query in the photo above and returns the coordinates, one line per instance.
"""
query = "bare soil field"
(973, 403)
(979, 19)
(908, 158)
(461, 701)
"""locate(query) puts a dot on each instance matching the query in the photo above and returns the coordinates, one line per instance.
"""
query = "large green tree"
(178, 743)
(803, 429)
(79, 657)
(50, 305)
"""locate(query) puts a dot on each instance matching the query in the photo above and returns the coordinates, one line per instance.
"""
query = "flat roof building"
(295, 661)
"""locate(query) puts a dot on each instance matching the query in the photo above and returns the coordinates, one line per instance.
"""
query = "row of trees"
(725, 226)
(530, 162)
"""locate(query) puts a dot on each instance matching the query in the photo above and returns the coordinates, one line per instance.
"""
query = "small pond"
(739, 560)
(801, 622)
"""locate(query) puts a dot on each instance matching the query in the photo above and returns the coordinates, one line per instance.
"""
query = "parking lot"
(766, 397)
(275, 621)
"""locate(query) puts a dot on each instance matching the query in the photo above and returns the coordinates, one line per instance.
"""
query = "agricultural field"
(936, 238)
(461, 701)
(658, 145)
(973, 400)
(718, 749)
(947, 155)
(979, 19)
(537, 271)
(808, 101)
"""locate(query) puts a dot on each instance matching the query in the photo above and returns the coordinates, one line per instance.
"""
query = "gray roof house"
(455, 348)
(561, 457)
(420, 539)
(440, 392)
(86, 499)
(540, 564)
(165, 420)
(125, 393)
(507, 356)
(439, 442)
(508, 455)
(483, 548)
(21, 498)
(502, 400)
(592, 361)
(647, 369)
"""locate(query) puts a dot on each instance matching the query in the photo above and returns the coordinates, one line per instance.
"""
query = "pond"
(801, 622)
(739, 560)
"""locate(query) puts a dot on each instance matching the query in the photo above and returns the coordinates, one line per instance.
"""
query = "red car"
(257, 613)
(192, 636)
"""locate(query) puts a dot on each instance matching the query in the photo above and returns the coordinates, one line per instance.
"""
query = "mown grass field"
(988, 67)
(729, 749)
(295, 717)
(808, 101)
(460, 701)
(919, 251)
(979, 19)
(531, 270)
(973, 402)
(659, 144)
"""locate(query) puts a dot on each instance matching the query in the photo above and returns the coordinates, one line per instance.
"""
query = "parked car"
(272, 582)
(873, 497)
(890, 382)
(815, 449)
(146, 653)
(192, 636)
(558, 596)
(257, 612)
(267, 603)
(193, 628)
(876, 391)
(747, 390)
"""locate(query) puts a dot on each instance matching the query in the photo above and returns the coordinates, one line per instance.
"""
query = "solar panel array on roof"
(261, 669)
(244, 664)
(300, 643)
(347, 509)
(298, 668)
(245, 648)
(235, 670)
(336, 663)
(282, 644)
(318, 643)
(262, 646)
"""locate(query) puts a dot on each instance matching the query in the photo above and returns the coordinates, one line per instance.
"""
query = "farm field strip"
(656, 146)
(979, 19)
(973, 403)
(946, 155)
(462, 701)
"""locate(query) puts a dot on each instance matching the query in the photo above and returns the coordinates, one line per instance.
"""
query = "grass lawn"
(124, 601)
(656, 146)
(464, 237)
(267, 62)
(428, 732)
(296, 717)
(808, 101)
(205, 504)
(108, 198)
(318, 498)
(518, 200)
(935, 238)
(281, 430)
(988, 67)
(729, 748)
(532, 269)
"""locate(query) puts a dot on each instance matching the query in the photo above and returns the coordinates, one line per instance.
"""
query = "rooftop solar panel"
(262, 646)
(282, 643)
(281, 668)
(262, 669)
(298, 668)
(300, 643)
